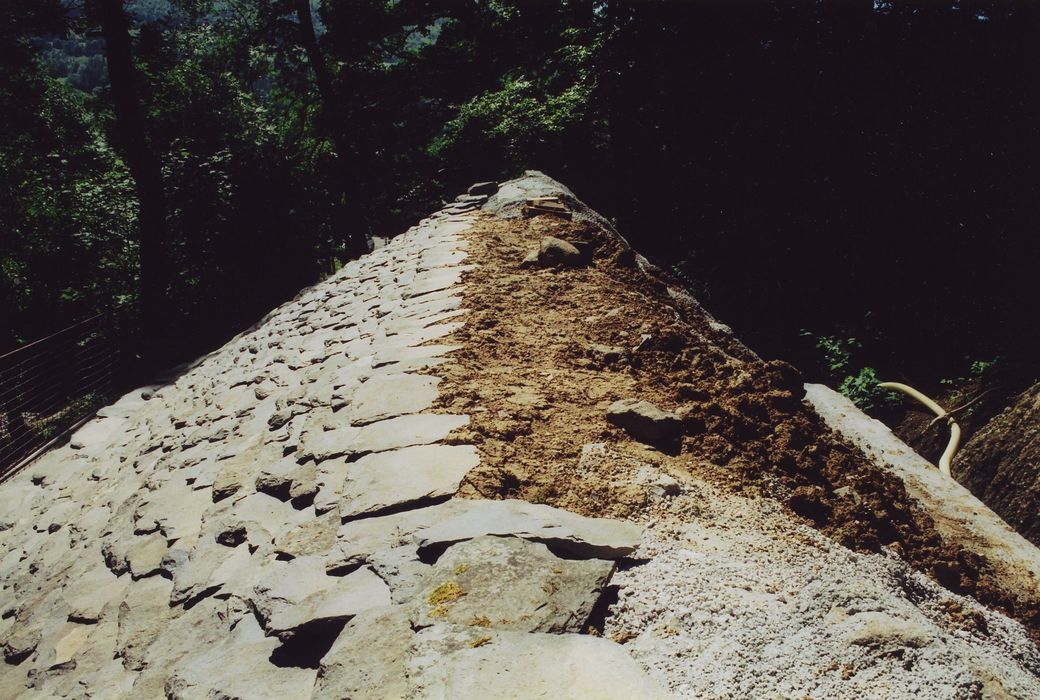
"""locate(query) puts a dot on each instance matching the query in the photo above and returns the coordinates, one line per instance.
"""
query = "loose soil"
(999, 463)
(537, 391)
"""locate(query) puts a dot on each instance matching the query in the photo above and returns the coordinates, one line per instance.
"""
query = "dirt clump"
(533, 376)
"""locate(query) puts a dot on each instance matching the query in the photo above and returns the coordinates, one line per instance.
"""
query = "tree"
(146, 169)
(355, 243)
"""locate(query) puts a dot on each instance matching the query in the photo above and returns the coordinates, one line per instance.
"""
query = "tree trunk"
(356, 243)
(146, 169)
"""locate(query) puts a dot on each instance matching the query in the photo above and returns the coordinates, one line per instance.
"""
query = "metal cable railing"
(49, 386)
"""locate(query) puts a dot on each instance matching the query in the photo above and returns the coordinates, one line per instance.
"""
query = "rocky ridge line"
(279, 522)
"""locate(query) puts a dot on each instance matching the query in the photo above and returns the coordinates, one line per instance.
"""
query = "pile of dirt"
(999, 464)
(539, 365)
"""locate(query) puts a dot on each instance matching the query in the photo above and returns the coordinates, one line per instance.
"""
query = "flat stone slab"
(325, 444)
(297, 593)
(510, 583)
(405, 431)
(389, 434)
(97, 589)
(239, 668)
(390, 395)
(559, 529)
(96, 434)
(379, 656)
(447, 661)
(385, 480)
(367, 660)
(357, 540)
(316, 536)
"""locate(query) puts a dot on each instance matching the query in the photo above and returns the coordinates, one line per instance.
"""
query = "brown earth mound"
(999, 464)
(540, 364)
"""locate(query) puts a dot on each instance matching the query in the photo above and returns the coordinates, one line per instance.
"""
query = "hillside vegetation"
(851, 175)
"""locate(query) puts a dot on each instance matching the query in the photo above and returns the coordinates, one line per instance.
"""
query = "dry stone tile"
(424, 335)
(643, 420)
(97, 434)
(93, 591)
(430, 305)
(416, 324)
(401, 569)
(367, 660)
(510, 583)
(70, 642)
(449, 661)
(205, 571)
(323, 444)
(391, 479)
(276, 479)
(143, 615)
(304, 484)
(386, 396)
(266, 515)
(239, 472)
(109, 680)
(560, 529)
(396, 355)
(240, 667)
(315, 536)
(197, 628)
(19, 642)
(297, 593)
(405, 431)
(144, 557)
(175, 509)
(358, 539)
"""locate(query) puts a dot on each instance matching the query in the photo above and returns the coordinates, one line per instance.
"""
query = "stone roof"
(295, 515)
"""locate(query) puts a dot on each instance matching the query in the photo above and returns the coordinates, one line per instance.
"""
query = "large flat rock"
(294, 594)
(560, 529)
(368, 658)
(386, 396)
(240, 668)
(510, 583)
(397, 478)
(447, 661)
(379, 655)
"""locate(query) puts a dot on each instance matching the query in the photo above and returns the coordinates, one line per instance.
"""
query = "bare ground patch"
(537, 389)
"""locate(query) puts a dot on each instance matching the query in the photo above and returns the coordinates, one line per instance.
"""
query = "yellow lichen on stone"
(480, 621)
(479, 642)
(461, 569)
(447, 592)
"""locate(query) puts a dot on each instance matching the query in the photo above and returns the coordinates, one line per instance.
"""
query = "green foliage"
(835, 352)
(534, 109)
(863, 390)
(981, 371)
(518, 118)
(837, 359)
(67, 206)
(50, 426)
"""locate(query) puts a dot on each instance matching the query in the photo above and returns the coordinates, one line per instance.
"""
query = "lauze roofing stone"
(215, 536)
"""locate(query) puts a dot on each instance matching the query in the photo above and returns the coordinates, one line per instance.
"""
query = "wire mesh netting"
(48, 386)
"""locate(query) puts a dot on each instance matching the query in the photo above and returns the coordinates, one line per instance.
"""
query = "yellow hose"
(955, 430)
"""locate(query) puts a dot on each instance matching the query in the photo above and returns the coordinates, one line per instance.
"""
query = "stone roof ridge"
(244, 529)
(451, 471)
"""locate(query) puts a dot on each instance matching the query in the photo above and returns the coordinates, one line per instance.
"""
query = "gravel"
(737, 600)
